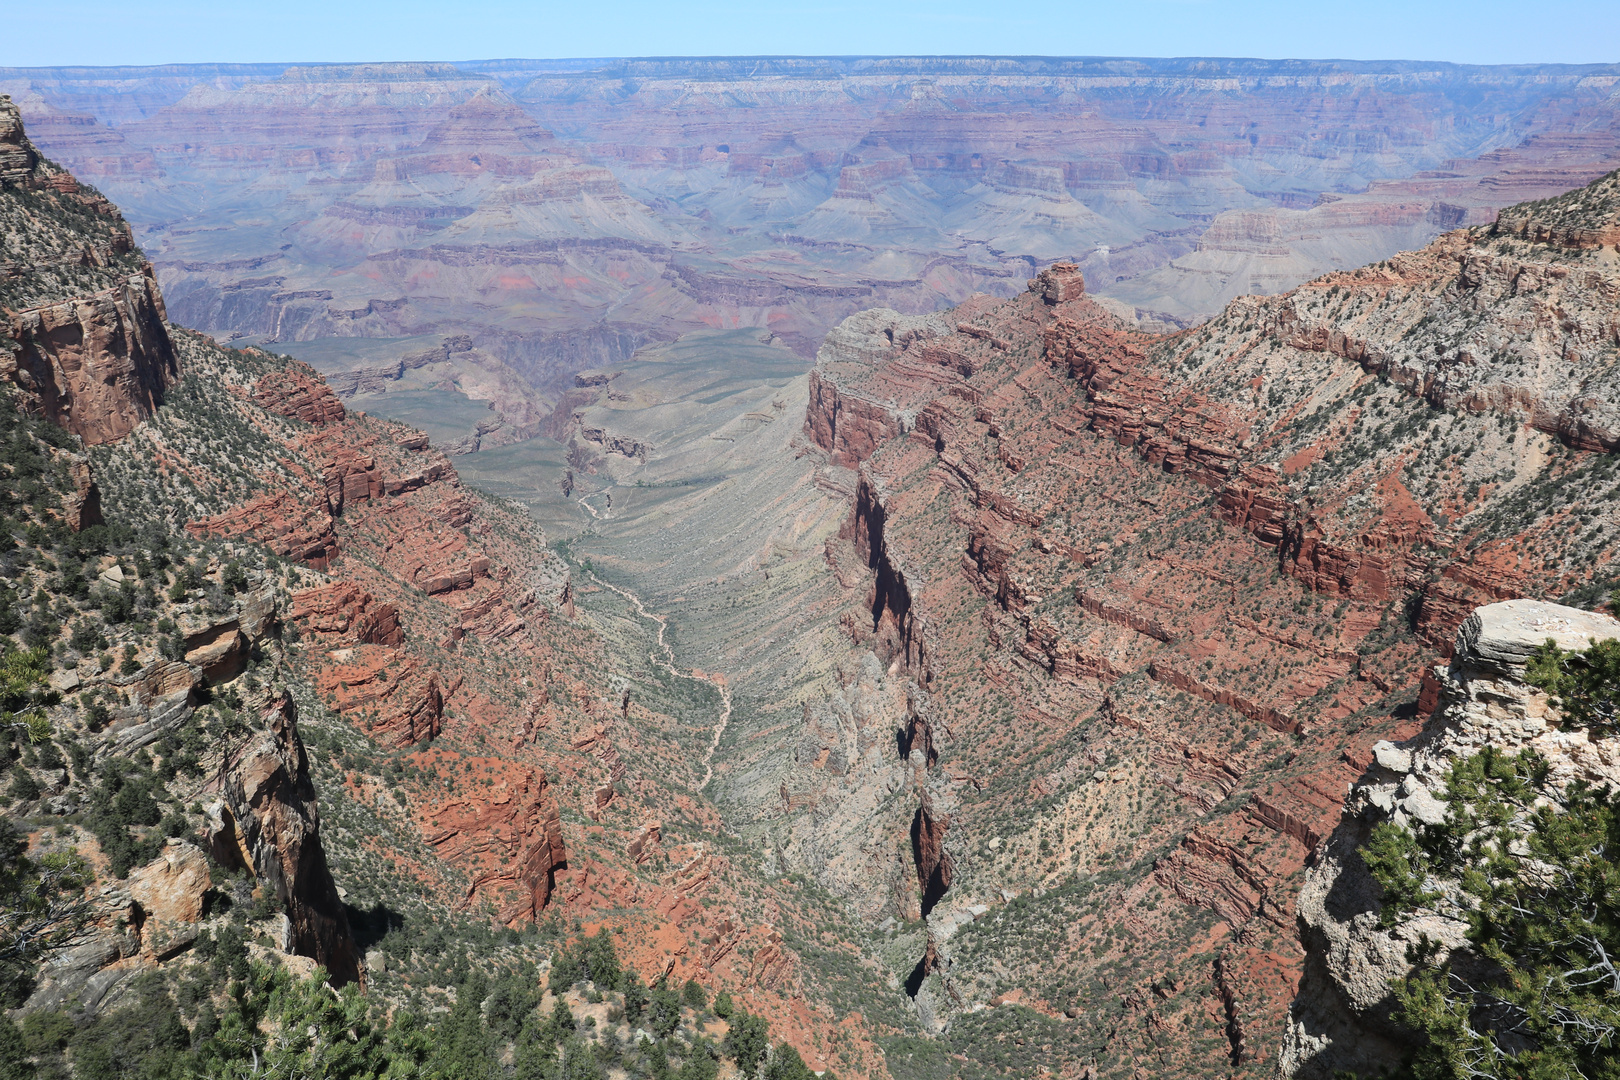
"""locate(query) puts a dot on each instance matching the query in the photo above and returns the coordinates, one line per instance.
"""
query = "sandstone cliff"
(270, 823)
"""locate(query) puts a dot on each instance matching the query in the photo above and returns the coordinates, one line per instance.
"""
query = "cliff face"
(1341, 1018)
(85, 334)
(271, 824)
(98, 365)
(1171, 590)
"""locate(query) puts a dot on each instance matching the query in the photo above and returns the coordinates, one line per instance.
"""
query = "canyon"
(976, 702)
(560, 215)
(1053, 645)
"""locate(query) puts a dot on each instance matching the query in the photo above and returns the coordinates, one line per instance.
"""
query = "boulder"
(169, 896)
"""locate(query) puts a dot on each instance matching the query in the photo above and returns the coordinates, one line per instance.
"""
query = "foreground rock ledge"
(1341, 1019)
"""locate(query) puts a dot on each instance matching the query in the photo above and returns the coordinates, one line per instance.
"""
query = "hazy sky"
(54, 32)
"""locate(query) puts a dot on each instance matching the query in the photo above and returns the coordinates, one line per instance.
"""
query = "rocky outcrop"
(848, 427)
(83, 331)
(269, 823)
(1059, 282)
(297, 391)
(18, 158)
(935, 863)
(402, 700)
(168, 897)
(98, 364)
(355, 468)
(1138, 407)
(288, 526)
(82, 507)
(347, 612)
(616, 443)
(134, 926)
(851, 413)
(898, 631)
(511, 840)
(1340, 1020)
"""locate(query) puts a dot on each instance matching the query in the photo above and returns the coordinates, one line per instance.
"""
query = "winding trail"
(668, 664)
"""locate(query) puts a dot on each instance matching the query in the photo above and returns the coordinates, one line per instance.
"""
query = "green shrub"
(23, 784)
(746, 1041)
(1585, 685)
(786, 1064)
(694, 995)
(1531, 870)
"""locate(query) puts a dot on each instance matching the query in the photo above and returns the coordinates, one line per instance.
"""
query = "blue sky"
(55, 32)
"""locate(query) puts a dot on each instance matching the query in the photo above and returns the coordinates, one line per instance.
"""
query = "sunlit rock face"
(82, 323)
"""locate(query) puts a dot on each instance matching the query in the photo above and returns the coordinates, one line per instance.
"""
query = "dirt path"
(668, 664)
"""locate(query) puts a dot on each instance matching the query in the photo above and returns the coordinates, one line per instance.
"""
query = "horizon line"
(1590, 67)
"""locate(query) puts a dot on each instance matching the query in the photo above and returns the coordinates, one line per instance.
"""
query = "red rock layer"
(1222, 557)
(299, 393)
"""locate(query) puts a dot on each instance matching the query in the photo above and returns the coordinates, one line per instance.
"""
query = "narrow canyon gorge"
(944, 564)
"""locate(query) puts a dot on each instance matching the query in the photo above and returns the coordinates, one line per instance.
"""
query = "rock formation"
(271, 824)
(1258, 525)
(85, 335)
(1341, 1019)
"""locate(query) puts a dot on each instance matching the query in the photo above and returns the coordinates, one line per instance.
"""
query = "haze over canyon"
(562, 214)
(898, 567)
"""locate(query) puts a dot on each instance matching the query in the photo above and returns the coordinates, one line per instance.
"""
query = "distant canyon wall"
(563, 214)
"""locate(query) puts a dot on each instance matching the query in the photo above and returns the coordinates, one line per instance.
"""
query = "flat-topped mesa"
(1341, 1019)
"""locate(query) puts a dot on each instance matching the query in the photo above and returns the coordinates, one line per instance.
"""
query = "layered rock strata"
(515, 204)
(270, 824)
(480, 749)
(1166, 592)
(85, 334)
